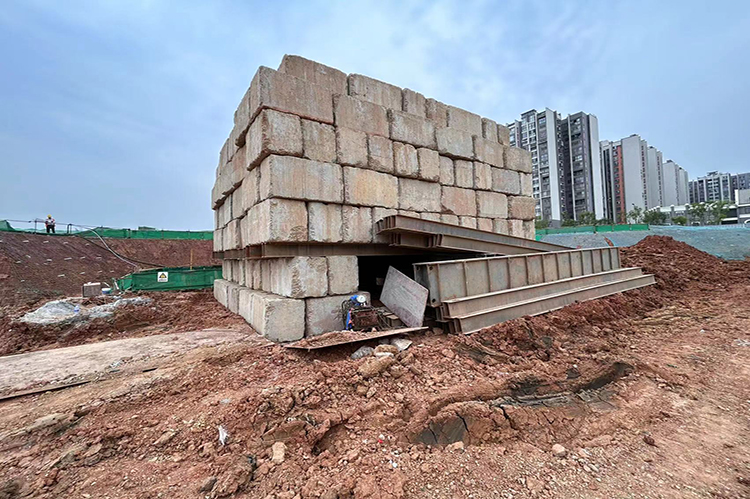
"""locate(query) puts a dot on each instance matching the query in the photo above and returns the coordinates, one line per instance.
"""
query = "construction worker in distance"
(49, 224)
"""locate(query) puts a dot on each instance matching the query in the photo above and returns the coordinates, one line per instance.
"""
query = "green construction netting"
(144, 233)
(170, 279)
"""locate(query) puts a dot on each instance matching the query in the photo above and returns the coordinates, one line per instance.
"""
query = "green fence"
(144, 233)
(593, 229)
(170, 279)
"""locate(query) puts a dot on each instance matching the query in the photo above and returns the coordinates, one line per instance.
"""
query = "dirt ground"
(648, 392)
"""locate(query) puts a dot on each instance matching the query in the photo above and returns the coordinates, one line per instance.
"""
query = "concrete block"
(238, 202)
(360, 115)
(238, 166)
(529, 229)
(429, 164)
(233, 297)
(410, 213)
(527, 186)
(249, 270)
(226, 269)
(503, 135)
(225, 211)
(275, 221)
(418, 195)
(299, 277)
(242, 113)
(484, 224)
(273, 132)
(277, 318)
(232, 235)
(377, 215)
(488, 152)
(405, 160)
(323, 76)
(218, 239)
(515, 228)
(356, 224)
(370, 188)
(324, 314)
(412, 129)
(437, 112)
(351, 147)
(257, 275)
(221, 291)
(248, 191)
(319, 141)
(482, 176)
(500, 226)
(246, 303)
(372, 90)
(517, 159)
(464, 173)
(343, 275)
(506, 181)
(462, 119)
(414, 102)
(489, 129)
(324, 222)
(435, 217)
(449, 219)
(454, 143)
(239, 273)
(492, 204)
(298, 178)
(447, 174)
(380, 154)
(457, 201)
(468, 222)
(274, 90)
(521, 207)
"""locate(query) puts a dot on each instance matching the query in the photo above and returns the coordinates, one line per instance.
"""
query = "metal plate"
(404, 297)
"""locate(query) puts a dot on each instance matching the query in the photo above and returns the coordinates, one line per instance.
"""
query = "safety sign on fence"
(162, 277)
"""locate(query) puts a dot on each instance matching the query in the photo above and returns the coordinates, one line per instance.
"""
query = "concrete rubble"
(317, 156)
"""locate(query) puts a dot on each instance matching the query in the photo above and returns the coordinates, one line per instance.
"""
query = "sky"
(113, 113)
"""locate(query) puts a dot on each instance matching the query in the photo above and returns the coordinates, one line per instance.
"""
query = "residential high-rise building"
(740, 181)
(675, 186)
(566, 164)
(714, 186)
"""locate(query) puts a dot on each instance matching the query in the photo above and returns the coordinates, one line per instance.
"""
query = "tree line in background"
(697, 214)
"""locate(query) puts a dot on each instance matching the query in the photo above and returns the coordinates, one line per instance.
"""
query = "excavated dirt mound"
(36, 267)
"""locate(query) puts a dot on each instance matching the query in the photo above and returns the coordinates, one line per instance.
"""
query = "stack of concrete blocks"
(318, 156)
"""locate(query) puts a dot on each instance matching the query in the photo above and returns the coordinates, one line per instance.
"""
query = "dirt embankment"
(647, 391)
(36, 267)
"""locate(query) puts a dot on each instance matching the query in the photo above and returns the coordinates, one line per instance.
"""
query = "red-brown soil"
(35, 267)
(648, 391)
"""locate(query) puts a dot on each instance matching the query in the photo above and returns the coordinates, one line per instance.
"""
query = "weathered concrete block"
(361, 115)
(503, 135)
(242, 114)
(489, 129)
(405, 160)
(527, 186)
(246, 303)
(324, 314)
(409, 213)
(380, 154)
(356, 224)
(232, 235)
(248, 191)
(238, 202)
(324, 222)
(449, 219)
(464, 172)
(468, 222)
(241, 277)
(435, 217)
(351, 147)
(370, 188)
(238, 166)
(377, 215)
(437, 112)
(462, 119)
(233, 297)
(249, 265)
(429, 164)
(225, 211)
(226, 269)
(276, 317)
(506, 181)
(515, 228)
(275, 221)
(484, 224)
(500, 226)
(492, 204)
(517, 159)
(488, 152)
(457, 201)
(297, 178)
(529, 229)
(412, 129)
(299, 277)
(324, 76)
(274, 90)
(521, 207)
(319, 141)
(455, 143)
(372, 90)
(221, 291)
(418, 195)
(273, 132)
(343, 275)
(482, 176)
(414, 102)
(447, 174)
(218, 239)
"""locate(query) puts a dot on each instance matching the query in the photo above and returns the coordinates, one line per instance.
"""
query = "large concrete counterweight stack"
(318, 157)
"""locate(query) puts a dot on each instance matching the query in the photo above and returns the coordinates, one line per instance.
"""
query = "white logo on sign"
(162, 277)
